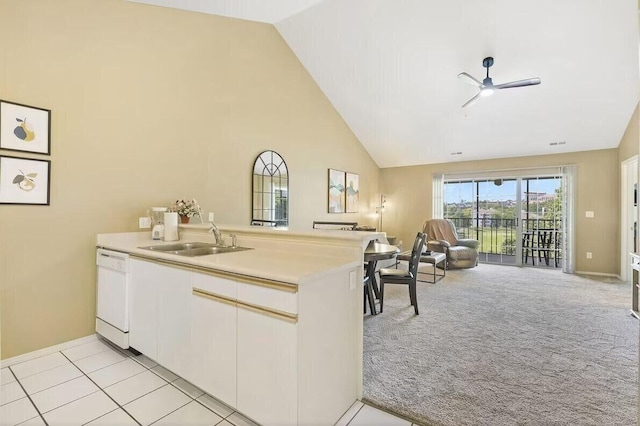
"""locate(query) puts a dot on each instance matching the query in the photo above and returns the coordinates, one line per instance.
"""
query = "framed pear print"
(24, 181)
(25, 128)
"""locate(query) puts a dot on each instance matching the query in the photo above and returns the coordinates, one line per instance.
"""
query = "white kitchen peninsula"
(275, 332)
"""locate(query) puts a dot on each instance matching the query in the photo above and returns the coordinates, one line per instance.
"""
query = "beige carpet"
(501, 345)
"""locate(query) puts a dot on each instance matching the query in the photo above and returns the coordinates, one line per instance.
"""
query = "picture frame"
(25, 128)
(25, 181)
(336, 191)
(352, 192)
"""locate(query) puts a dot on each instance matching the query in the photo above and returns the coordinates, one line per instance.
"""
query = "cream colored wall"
(409, 200)
(148, 105)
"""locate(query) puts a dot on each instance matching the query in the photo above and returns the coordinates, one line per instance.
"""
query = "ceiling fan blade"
(519, 83)
(471, 101)
(468, 79)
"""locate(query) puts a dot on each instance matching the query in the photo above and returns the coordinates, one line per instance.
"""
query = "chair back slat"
(416, 252)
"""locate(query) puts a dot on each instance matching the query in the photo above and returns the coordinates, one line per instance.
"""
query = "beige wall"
(149, 105)
(409, 200)
(629, 143)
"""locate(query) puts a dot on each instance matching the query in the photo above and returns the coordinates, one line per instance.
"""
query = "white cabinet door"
(213, 337)
(267, 368)
(143, 315)
(174, 297)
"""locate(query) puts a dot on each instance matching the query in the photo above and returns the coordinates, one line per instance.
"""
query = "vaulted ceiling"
(390, 69)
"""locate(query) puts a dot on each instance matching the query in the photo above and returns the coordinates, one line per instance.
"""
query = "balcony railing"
(542, 239)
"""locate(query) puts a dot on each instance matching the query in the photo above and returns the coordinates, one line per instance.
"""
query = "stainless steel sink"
(177, 246)
(194, 249)
(203, 251)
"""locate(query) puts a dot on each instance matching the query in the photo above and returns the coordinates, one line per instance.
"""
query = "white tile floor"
(95, 383)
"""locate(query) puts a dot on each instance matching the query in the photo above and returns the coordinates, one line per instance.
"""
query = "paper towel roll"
(171, 226)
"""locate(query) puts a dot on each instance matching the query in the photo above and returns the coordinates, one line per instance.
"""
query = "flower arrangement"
(186, 208)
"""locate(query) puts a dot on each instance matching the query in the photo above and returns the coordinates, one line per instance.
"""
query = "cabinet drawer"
(281, 300)
(213, 284)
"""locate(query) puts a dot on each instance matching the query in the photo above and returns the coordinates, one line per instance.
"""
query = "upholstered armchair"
(443, 238)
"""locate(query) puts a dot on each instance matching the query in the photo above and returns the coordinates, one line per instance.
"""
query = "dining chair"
(407, 277)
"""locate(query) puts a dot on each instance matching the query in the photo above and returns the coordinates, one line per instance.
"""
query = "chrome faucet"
(234, 240)
(216, 233)
(200, 213)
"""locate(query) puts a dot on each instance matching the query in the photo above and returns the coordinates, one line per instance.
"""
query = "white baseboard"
(600, 274)
(46, 351)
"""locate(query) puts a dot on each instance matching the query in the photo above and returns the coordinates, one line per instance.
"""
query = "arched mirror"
(270, 190)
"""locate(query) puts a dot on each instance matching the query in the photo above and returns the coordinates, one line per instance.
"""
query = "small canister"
(171, 226)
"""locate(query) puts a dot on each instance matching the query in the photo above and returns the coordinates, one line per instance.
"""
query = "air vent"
(457, 153)
(558, 143)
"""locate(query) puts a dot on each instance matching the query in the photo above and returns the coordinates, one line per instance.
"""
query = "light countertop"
(290, 263)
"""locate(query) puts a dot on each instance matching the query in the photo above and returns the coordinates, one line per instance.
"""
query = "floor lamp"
(380, 209)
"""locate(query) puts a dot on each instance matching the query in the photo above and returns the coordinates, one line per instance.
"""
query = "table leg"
(371, 286)
(371, 272)
(372, 300)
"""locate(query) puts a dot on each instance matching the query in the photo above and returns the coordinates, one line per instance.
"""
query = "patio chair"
(461, 252)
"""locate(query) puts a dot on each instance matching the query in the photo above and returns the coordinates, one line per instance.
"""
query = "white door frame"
(628, 176)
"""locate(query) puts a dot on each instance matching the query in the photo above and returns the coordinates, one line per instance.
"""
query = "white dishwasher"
(112, 296)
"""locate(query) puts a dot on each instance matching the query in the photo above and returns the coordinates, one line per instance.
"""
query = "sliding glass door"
(516, 219)
(542, 221)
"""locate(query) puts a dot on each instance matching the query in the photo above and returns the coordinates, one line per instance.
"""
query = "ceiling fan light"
(487, 91)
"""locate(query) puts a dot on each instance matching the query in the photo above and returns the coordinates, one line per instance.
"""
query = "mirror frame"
(272, 165)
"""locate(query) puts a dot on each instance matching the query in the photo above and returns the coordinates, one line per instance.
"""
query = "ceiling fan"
(487, 87)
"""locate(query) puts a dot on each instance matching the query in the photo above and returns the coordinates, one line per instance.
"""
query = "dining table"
(375, 252)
